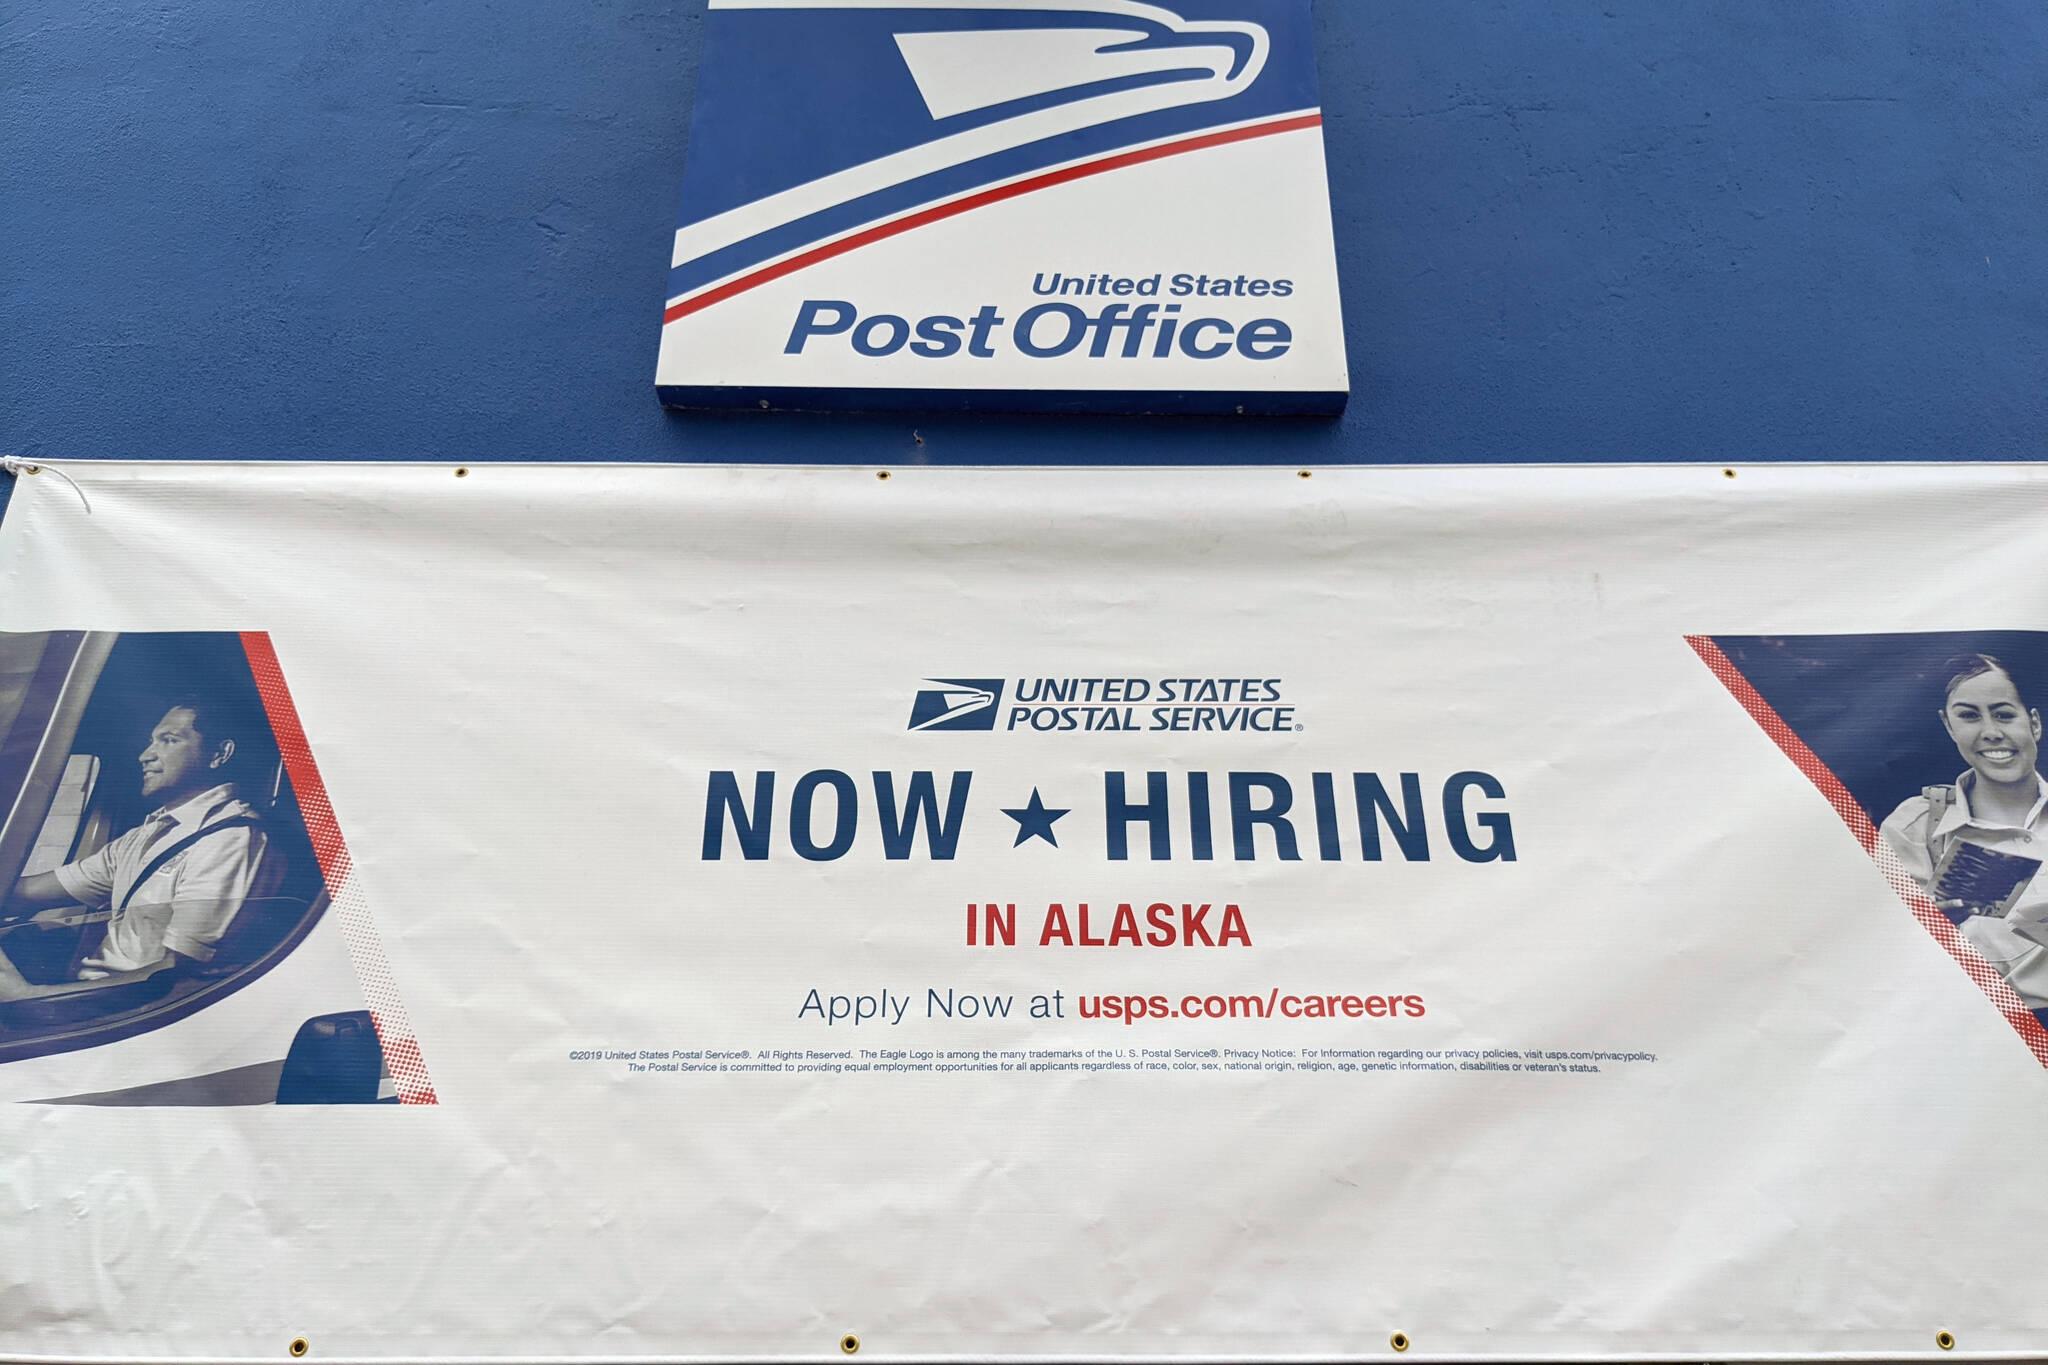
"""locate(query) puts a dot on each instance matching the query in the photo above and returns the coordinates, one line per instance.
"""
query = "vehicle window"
(59, 835)
(20, 656)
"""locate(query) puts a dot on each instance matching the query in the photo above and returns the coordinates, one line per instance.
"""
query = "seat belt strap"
(155, 864)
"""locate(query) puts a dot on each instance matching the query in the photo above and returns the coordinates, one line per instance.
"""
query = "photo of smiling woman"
(1975, 844)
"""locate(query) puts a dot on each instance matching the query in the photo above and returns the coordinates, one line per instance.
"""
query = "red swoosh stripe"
(366, 952)
(982, 199)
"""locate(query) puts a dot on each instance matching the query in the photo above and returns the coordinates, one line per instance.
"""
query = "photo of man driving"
(174, 884)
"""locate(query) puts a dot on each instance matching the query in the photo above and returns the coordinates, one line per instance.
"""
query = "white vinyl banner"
(699, 913)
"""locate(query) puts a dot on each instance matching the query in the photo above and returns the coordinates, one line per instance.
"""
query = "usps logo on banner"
(1066, 205)
(957, 704)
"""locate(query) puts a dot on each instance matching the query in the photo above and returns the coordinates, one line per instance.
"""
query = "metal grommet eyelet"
(1399, 1341)
(850, 1343)
(299, 1347)
(1945, 1340)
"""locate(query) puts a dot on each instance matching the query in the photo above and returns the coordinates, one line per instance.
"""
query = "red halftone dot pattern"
(366, 953)
(1931, 919)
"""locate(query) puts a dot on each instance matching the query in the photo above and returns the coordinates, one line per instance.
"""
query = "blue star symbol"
(1034, 821)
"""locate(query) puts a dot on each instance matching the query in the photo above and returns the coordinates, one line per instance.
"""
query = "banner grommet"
(1945, 1340)
(849, 1343)
(1399, 1341)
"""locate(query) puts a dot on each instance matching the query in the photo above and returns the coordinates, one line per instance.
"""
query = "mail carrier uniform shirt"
(188, 903)
(1920, 840)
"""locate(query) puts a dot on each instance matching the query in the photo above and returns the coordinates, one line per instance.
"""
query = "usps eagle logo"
(966, 204)
(956, 704)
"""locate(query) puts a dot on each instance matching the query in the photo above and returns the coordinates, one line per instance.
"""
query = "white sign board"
(1067, 206)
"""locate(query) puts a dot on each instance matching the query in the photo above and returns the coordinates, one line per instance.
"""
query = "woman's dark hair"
(1964, 667)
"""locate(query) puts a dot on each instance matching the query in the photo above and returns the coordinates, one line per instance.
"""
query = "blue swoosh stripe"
(700, 271)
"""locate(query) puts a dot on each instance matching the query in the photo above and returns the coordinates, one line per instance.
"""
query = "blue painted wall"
(1724, 230)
